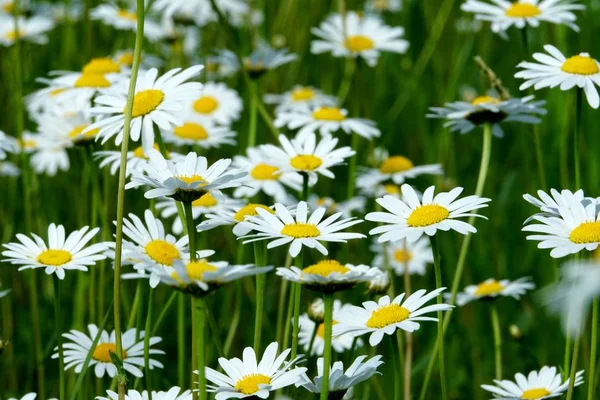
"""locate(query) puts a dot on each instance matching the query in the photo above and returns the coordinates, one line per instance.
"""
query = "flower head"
(492, 289)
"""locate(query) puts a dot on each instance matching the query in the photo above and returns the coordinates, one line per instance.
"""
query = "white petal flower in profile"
(136, 159)
(384, 317)
(156, 102)
(304, 154)
(126, 19)
(79, 345)
(249, 378)
(9, 169)
(577, 227)
(491, 289)
(543, 384)
(175, 393)
(232, 216)
(303, 230)
(355, 35)
(341, 381)
(325, 120)
(262, 60)
(300, 98)
(50, 157)
(7, 144)
(555, 69)
(195, 131)
(28, 396)
(32, 29)
(549, 205)
(187, 180)
(397, 169)
(524, 13)
(59, 254)
(217, 104)
(347, 207)
(410, 219)
(401, 253)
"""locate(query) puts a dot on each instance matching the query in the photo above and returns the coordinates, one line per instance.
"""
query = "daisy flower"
(384, 317)
(32, 29)
(66, 129)
(265, 58)
(187, 180)
(357, 36)
(383, 5)
(576, 228)
(307, 328)
(126, 19)
(137, 159)
(156, 101)
(300, 98)
(549, 205)
(60, 254)
(380, 283)
(200, 11)
(543, 384)
(341, 381)
(195, 131)
(217, 103)
(232, 216)
(263, 176)
(346, 207)
(80, 345)
(247, 378)
(282, 228)
(325, 120)
(411, 218)
(175, 393)
(328, 276)
(463, 117)
(556, 70)
(9, 169)
(491, 289)
(397, 169)
(400, 253)
(29, 396)
(524, 13)
(304, 154)
(8, 144)
(50, 157)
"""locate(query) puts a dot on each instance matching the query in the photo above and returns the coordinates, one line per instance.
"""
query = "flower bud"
(316, 311)
(380, 283)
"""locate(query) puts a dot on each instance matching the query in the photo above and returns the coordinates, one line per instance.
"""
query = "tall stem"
(440, 338)
(147, 335)
(259, 261)
(297, 298)
(397, 362)
(352, 167)
(253, 110)
(409, 336)
(497, 341)
(328, 301)
(181, 340)
(577, 139)
(201, 357)
(573, 368)
(59, 339)
(191, 229)
(139, 41)
(594, 348)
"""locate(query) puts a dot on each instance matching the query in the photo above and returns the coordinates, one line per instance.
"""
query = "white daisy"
(29, 396)
(80, 345)
(217, 103)
(411, 218)
(66, 129)
(137, 159)
(49, 158)
(232, 216)
(576, 228)
(556, 70)
(60, 254)
(549, 205)
(248, 378)
(384, 317)
(398, 254)
(397, 169)
(380, 283)
(300, 231)
(304, 154)
(175, 393)
(8, 144)
(383, 189)
(363, 36)
(201, 12)
(32, 29)
(187, 180)
(346, 207)
(195, 131)
(124, 58)
(9, 169)
(463, 116)
(523, 13)
(545, 384)
(325, 120)
(300, 98)
(341, 381)
(491, 289)
(156, 101)
(265, 58)
(126, 19)
(264, 177)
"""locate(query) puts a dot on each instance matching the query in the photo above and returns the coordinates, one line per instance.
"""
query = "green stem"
(304, 186)
(214, 329)
(297, 298)
(567, 359)
(352, 166)
(189, 217)
(577, 139)
(253, 109)
(539, 156)
(289, 316)
(282, 297)
(594, 347)
(59, 339)
(328, 300)
(37, 338)
(440, 337)
(573, 368)
(397, 365)
(163, 312)
(194, 343)
(181, 340)
(346, 83)
(497, 341)
(312, 340)
(235, 319)
(200, 319)
(259, 261)
(147, 335)
(409, 336)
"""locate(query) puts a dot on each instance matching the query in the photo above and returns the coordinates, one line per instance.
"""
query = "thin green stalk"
(346, 83)
(259, 261)
(352, 166)
(312, 340)
(147, 335)
(573, 368)
(253, 109)
(235, 319)
(594, 348)
(59, 339)
(297, 298)
(194, 346)
(191, 228)
(440, 338)
(37, 338)
(409, 336)
(304, 186)
(282, 297)
(201, 357)
(497, 341)
(139, 41)
(577, 139)
(397, 365)
(289, 316)
(163, 312)
(567, 359)
(539, 156)
(181, 340)
(214, 329)
(328, 300)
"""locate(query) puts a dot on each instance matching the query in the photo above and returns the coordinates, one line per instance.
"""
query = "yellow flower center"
(249, 383)
(392, 189)
(125, 14)
(192, 179)
(321, 329)
(588, 232)
(523, 10)
(488, 288)
(206, 105)
(265, 172)
(207, 200)
(139, 152)
(250, 211)
(328, 114)
(485, 100)
(395, 164)
(54, 257)
(428, 214)
(101, 66)
(303, 94)
(325, 268)
(125, 59)
(12, 35)
(580, 65)
(358, 43)
(162, 251)
(56, 92)
(29, 144)
(76, 132)
(387, 315)
(531, 394)
(8, 8)
(190, 130)
(306, 162)
(146, 101)
(402, 256)
(92, 80)
(197, 269)
(256, 68)
(103, 350)
(381, 4)
(300, 230)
